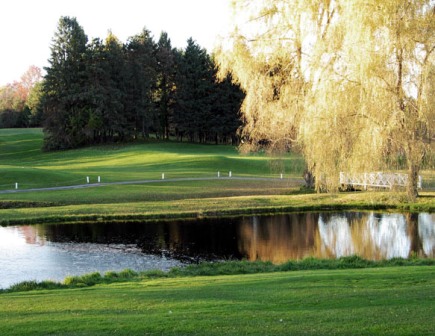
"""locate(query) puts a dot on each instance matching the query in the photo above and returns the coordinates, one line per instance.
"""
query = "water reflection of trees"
(208, 239)
(33, 234)
(369, 235)
(374, 236)
(278, 238)
(426, 232)
(335, 237)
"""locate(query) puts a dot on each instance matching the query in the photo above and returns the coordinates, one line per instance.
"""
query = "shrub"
(154, 274)
(91, 279)
(128, 274)
(111, 275)
(33, 285)
(71, 280)
(86, 280)
(354, 262)
(24, 286)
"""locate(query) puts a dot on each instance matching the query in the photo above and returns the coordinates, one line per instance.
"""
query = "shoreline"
(183, 209)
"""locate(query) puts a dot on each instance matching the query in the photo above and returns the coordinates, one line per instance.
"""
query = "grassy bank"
(31, 211)
(216, 269)
(376, 301)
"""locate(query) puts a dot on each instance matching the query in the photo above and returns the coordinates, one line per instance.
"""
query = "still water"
(55, 251)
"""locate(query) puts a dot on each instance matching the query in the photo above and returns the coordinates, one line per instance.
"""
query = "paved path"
(92, 185)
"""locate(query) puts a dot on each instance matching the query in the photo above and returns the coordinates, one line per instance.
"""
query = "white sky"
(27, 26)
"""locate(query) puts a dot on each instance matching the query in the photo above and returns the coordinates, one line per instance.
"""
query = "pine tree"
(106, 72)
(195, 82)
(140, 83)
(65, 95)
(165, 89)
(225, 114)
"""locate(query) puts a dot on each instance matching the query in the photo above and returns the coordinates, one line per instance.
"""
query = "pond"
(50, 251)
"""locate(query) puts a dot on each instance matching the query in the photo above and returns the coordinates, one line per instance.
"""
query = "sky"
(27, 27)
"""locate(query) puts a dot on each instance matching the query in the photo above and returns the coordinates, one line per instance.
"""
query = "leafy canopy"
(348, 83)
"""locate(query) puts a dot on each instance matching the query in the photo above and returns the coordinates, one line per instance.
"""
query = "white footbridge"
(376, 179)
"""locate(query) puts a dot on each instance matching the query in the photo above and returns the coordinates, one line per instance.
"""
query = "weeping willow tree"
(267, 55)
(348, 83)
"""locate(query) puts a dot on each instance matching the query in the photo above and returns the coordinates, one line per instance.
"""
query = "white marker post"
(16, 185)
(281, 176)
(230, 174)
(87, 179)
(219, 174)
(99, 179)
(163, 176)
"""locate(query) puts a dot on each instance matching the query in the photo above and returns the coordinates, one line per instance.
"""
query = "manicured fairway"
(380, 301)
(23, 162)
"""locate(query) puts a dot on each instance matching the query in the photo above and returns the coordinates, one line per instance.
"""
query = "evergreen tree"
(106, 74)
(141, 80)
(98, 82)
(115, 109)
(165, 89)
(225, 117)
(194, 87)
(65, 95)
(108, 91)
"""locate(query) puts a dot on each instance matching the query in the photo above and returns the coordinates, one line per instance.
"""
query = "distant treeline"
(107, 91)
(20, 101)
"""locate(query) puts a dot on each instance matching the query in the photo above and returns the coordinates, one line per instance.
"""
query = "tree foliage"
(349, 83)
(65, 88)
(104, 91)
(165, 92)
(194, 93)
(19, 101)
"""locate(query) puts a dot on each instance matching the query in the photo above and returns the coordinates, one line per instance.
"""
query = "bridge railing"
(376, 179)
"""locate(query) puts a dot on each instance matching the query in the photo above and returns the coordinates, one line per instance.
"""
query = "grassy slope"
(23, 161)
(387, 301)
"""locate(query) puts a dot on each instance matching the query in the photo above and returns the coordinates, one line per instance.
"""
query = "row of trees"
(348, 83)
(104, 91)
(19, 101)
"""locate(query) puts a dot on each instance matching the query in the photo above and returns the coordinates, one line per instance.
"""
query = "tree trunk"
(309, 179)
(411, 188)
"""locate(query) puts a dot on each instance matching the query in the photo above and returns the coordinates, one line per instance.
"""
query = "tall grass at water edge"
(216, 269)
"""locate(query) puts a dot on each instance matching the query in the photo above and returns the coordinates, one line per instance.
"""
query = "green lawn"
(22, 161)
(380, 301)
